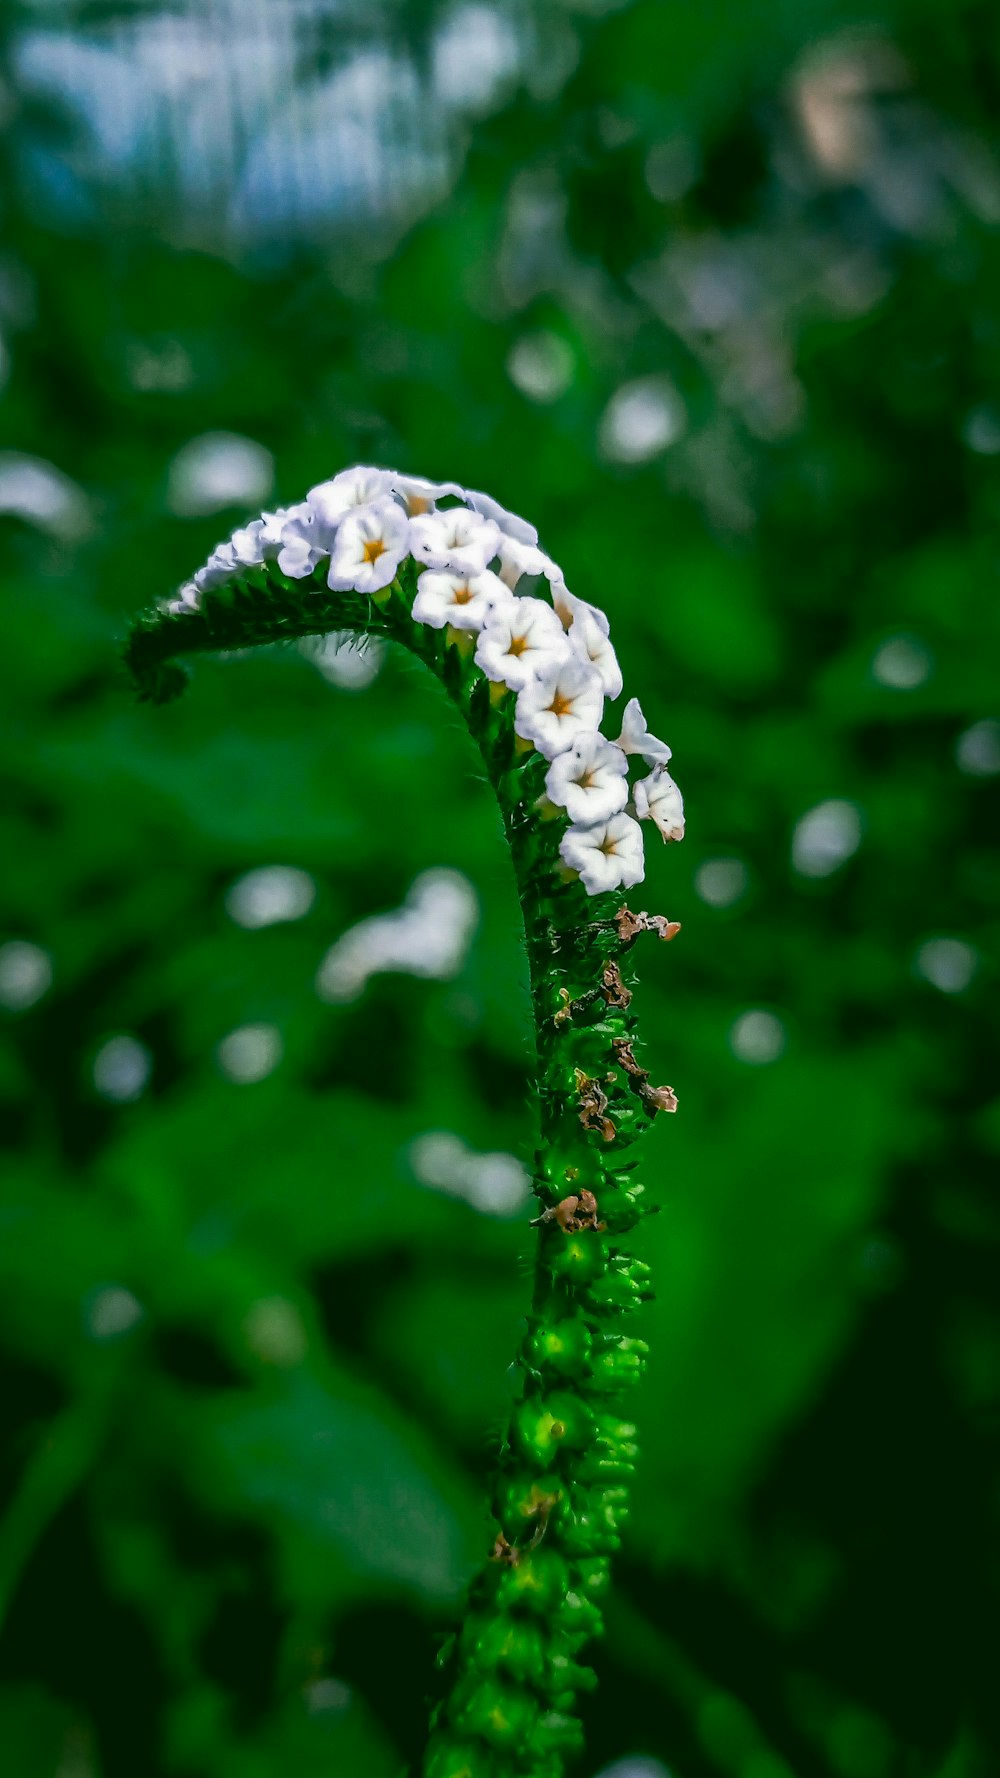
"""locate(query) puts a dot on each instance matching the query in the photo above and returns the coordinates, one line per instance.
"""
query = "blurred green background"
(712, 293)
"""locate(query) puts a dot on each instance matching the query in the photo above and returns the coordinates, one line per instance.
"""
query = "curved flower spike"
(513, 1670)
(589, 780)
(369, 546)
(520, 639)
(606, 856)
(561, 702)
(658, 799)
(636, 738)
(459, 540)
(465, 601)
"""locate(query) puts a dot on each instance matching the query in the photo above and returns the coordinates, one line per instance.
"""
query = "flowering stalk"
(439, 571)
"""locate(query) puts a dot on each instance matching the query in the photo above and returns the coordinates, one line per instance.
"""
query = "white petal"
(636, 738)
(353, 565)
(607, 856)
(419, 494)
(519, 639)
(517, 558)
(658, 799)
(246, 544)
(330, 501)
(592, 645)
(589, 780)
(570, 607)
(466, 602)
(507, 522)
(459, 540)
(560, 703)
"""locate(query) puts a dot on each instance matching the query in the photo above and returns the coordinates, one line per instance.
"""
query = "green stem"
(513, 1672)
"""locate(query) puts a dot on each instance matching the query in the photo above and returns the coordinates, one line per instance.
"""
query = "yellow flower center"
(373, 549)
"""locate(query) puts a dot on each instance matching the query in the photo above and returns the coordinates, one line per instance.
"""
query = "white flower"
(658, 799)
(507, 522)
(559, 703)
(369, 546)
(271, 525)
(570, 607)
(589, 779)
(188, 599)
(519, 639)
(246, 544)
(304, 540)
(330, 501)
(592, 644)
(517, 558)
(419, 494)
(466, 601)
(636, 738)
(220, 567)
(459, 540)
(607, 856)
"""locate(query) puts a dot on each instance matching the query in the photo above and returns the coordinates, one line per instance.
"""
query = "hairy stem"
(512, 1674)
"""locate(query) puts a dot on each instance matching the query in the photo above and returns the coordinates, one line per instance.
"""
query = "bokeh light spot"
(977, 750)
(122, 1069)
(428, 936)
(274, 1332)
(947, 963)
(757, 1037)
(825, 838)
(111, 1311)
(25, 974)
(350, 662)
(272, 893)
(541, 365)
(721, 882)
(641, 420)
(494, 1183)
(250, 1053)
(217, 470)
(902, 662)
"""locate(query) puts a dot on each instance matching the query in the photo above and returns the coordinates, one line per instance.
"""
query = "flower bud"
(564, 1347)
(514, 1644)
(538, 1582)
(577, 1258)
(543, 1425)
(497, 1713)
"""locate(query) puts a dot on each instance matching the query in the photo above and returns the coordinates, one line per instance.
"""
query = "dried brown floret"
(613, 988)
(507, 1553)
(630, 925)
(593, 1106)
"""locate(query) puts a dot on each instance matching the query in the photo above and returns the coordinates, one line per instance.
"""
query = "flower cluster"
(549, 650)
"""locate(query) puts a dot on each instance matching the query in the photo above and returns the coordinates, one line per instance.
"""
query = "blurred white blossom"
(25, 974)
(825, 838)
(428, 936)
(219, 469)
(270, 893)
